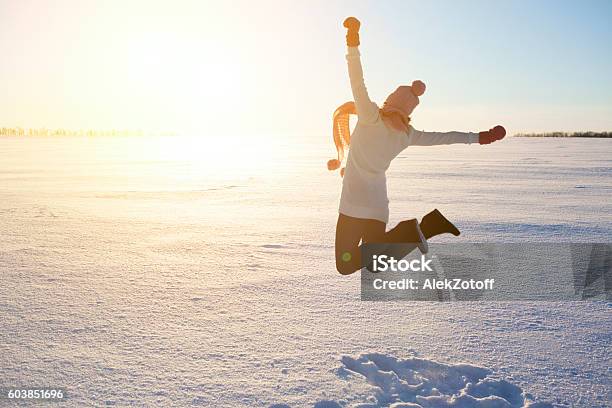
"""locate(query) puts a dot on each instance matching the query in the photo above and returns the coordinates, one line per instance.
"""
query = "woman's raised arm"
(367, 111)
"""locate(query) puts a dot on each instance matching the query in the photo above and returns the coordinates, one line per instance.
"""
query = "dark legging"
(351, 231)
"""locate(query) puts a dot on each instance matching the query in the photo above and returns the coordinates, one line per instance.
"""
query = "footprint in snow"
(416, 382)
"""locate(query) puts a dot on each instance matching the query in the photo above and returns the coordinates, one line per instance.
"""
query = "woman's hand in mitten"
(492, 135)
(352, 34)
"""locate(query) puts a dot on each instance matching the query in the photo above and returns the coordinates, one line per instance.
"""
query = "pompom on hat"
(418, 87)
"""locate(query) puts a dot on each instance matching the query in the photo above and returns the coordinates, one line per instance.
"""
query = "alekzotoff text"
(437, 284)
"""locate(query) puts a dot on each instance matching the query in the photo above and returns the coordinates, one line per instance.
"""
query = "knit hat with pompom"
(400, 104)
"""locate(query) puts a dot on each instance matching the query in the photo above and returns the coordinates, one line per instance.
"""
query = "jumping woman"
(379, 136)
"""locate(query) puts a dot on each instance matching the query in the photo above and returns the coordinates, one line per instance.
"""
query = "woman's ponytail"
(342, 134)
(333, 164)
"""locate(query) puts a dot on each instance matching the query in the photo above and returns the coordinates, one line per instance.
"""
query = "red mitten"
(352, 35)
(351, 23)
(492, 135)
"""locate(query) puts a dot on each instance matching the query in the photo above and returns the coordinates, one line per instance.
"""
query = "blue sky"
(533, 65)
(278, 66)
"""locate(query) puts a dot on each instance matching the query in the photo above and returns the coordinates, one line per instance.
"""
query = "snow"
(416, 382)
(133, 275)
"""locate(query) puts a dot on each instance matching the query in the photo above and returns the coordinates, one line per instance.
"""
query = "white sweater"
(373, 146)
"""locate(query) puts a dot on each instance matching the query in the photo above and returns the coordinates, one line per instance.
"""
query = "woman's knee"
(349, 232)
(343, 268)
(345, 264)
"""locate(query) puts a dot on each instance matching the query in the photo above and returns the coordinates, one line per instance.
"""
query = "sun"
(197, 79)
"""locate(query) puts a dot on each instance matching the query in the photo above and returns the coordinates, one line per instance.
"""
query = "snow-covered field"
(164, 272)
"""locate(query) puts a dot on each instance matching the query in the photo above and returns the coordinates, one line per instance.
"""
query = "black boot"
(409, 232)
(404, 232)
(435, 223)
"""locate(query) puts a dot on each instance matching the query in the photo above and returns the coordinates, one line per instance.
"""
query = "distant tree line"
(566, 134)
(18, 131)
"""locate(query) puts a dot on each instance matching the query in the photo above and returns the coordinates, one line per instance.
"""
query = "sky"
(278, 67)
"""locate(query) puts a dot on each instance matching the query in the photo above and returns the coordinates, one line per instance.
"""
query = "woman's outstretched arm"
(367, 111)
(421, 138)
